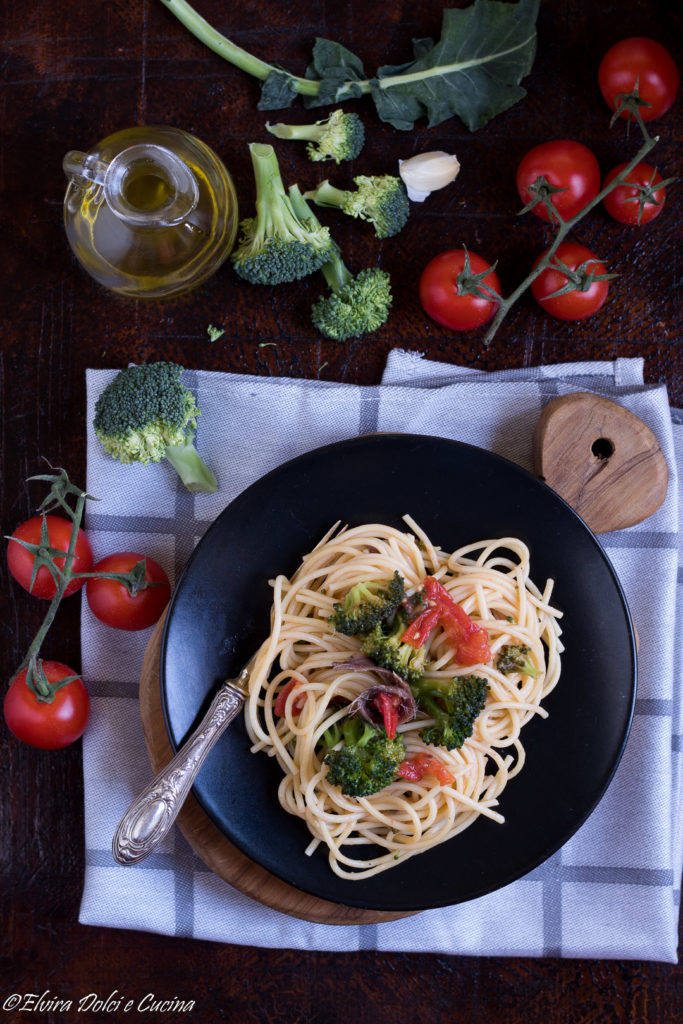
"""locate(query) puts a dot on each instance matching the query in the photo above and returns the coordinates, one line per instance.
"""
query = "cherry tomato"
(642, 64)
(442, 295)
(627, 204)
(48, 725)
(566, 165)
(112, 603)
(575, 304)
(20, 561)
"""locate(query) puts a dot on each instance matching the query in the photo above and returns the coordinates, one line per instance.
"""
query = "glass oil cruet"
(150, 211)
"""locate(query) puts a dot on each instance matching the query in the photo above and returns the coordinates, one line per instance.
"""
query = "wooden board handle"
(602, 459)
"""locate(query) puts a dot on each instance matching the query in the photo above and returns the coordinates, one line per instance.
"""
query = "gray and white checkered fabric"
(613, 890)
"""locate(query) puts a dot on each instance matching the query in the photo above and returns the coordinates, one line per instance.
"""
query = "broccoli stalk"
(378, 198)
(146, 414)
(194, 473)
(366, 762)
(368, 604)
(278, 245)
(234, 54)
(515, 658)
(357, 305)
(454, 705)
(332, 736)
(339, 137)
(388, 651)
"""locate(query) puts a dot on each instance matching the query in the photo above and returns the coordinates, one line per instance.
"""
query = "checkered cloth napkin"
(613, 890)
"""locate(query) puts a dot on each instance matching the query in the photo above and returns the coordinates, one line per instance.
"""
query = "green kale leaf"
(472, 72)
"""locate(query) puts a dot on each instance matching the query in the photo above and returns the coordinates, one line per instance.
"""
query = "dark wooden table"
(71, 74)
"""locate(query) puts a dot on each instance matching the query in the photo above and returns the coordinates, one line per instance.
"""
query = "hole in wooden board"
(602, 448)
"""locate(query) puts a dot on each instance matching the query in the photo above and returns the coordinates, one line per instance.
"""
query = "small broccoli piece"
(357, 305)
(366, 762)
(515, 658)
(340, 136)
(454, 705)
(277, 245)
(379, 198)
(146, 414)
(387, 651)
(367, 604)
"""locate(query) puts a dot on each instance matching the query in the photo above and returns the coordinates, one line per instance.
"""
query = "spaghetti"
(300, 687)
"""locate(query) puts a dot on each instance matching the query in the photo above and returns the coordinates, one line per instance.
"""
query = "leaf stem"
(565, 226)
(442, 70)
(224, 47)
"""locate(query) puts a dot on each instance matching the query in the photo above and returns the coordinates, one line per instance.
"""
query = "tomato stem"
(468, 283)
(134, 580)
(61, 487)
(563, 229)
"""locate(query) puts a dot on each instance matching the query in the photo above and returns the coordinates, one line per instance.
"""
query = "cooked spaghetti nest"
(490, 580)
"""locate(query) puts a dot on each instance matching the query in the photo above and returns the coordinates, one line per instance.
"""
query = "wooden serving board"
(208, 841)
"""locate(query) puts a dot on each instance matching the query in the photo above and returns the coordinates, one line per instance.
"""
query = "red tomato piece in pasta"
(281, 699)
(469, 641)
(416, 767)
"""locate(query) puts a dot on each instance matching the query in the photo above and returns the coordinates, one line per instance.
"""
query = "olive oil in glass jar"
(150, 211)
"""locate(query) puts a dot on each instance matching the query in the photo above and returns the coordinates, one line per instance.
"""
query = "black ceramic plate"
(219, 614)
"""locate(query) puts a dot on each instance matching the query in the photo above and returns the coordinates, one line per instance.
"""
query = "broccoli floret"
(368, 604)
(380, 199)
(357, 305)
(277, 245)
(339, 137)
(387, 651)
(454, 705)
(367, 761)
(146, 414)
(515, 658)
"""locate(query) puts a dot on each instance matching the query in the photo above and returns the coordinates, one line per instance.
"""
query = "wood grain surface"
(75, 72)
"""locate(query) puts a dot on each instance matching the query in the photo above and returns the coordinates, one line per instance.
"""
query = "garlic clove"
(427, 172)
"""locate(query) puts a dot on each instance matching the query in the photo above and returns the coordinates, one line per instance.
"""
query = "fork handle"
(154, 810)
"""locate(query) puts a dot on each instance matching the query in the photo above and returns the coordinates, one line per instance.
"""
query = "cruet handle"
(84, 168)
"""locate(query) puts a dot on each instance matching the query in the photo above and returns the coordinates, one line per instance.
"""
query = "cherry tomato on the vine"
(627, 203)
(443, 296)
(111, 602)
(564, 164)
(575, 304)
(48, 725)
(20, 561)
(642, 64)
